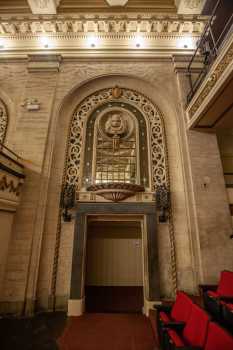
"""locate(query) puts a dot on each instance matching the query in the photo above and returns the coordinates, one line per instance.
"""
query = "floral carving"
(3, 121)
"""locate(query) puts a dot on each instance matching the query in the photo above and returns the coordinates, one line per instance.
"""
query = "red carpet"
(108, 332)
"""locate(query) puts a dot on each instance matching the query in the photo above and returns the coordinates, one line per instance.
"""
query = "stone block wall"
(39, 260)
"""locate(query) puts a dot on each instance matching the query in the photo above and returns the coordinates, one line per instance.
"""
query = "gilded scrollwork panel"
(151, 113)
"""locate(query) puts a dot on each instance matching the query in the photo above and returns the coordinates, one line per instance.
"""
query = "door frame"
(146, 213)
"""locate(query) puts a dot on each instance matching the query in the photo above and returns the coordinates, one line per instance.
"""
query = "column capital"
(186, 7)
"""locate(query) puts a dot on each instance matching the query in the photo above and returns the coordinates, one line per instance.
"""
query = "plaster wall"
(210, 214)
(40, 137)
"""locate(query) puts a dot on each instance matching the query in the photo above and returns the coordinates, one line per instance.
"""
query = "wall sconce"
(67, 201)
(31, 104)
(206, 181)
(162, 196)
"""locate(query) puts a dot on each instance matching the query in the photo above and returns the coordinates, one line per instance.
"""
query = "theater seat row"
(219, 301)
(186, 326)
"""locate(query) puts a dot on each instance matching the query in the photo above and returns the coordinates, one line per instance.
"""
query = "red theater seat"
(194, 333)
(175, 315)
(227, 314)
(218, 338)
(224, 292)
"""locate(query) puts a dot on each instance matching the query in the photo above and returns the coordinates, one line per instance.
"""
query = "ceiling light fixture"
(2, 44)
(139, 41)
(92, 41)
(186, 43)
(44, 41)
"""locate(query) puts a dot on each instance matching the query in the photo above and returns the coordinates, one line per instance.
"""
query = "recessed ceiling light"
(2, 44)
(139, 41)
(92, 41)
(44, 41)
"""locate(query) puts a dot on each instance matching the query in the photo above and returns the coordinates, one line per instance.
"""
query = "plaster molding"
(43, 6)
(190, 6)
(10, 189)
(123, 36)
(97, 24)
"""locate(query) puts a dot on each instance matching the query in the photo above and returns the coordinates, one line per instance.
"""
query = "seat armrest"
(187, 348)
(177, 326)
(165, 308)
(203, 288)
(227, 299)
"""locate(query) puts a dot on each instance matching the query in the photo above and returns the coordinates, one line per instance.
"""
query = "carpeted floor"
(111, 299)
(32, 333)
(108, 332)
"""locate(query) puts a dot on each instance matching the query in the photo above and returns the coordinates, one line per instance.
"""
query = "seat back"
(195, 330)
(225, 286)
(182, 307)
(218, 338)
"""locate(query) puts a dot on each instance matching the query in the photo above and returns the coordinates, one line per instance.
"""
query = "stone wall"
(40, 137)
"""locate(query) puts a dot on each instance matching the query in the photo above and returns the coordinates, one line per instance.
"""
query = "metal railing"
(215, 33)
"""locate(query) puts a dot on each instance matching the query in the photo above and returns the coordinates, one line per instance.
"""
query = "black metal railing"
(217, 29)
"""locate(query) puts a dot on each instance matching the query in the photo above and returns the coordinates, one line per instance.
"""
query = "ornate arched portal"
(79, 156)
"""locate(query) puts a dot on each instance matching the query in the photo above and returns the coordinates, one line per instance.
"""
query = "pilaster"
(32, 127)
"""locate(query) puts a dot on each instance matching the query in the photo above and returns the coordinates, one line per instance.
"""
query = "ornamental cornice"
(50, 25)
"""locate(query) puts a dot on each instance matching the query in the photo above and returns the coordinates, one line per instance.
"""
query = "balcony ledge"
(211, 101)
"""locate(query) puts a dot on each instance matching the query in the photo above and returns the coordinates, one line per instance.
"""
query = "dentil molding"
(100, 35)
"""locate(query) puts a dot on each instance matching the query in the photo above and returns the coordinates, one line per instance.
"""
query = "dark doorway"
(114, 267)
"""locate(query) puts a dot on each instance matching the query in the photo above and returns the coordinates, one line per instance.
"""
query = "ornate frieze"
(102, 35)
(101, 24)
(9, 185)
(11, 178)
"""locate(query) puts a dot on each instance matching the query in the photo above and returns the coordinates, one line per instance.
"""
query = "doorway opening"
(114, 267)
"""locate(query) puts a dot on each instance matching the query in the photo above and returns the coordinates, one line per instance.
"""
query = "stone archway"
(58, 284)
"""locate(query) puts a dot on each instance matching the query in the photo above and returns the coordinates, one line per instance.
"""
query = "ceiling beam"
(43, 7)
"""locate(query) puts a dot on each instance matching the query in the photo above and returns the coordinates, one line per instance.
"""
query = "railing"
(216, 31)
